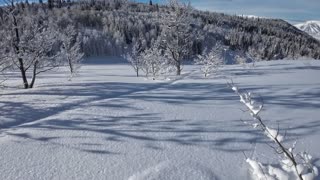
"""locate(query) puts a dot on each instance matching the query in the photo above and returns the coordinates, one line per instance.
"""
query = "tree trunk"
(70, 66)
(34, 75)
(23, 74)
(178, 66)
(137, 71)
(20, 60)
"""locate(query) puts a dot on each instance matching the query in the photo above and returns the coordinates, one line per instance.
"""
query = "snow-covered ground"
(108, 124)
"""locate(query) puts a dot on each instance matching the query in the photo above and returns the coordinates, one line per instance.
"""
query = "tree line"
(36, 37)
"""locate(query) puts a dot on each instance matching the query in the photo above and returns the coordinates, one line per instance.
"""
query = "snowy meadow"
(106, 123)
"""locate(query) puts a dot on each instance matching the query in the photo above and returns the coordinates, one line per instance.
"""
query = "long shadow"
(89, 92)
(150, 127)
(309, 98)
(304, 68)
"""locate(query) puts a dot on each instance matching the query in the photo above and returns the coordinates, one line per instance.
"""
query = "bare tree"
(13, 41)
(31, 45)
(71, 49)
(154, 62)
(134, 57)
(177, 34)
(212, 60)
(4, 63)
(38, 51)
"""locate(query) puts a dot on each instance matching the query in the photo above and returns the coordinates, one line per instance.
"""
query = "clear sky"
(291, 10)
(294, 11)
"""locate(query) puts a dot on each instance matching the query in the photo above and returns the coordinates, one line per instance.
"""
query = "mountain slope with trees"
(112, 27)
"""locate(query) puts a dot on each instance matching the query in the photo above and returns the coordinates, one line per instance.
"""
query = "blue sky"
(294, 11)
(291, 10)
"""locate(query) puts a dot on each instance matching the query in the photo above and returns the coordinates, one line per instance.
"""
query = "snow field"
(108, 124)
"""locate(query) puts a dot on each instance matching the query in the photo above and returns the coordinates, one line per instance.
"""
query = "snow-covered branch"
(293, 165)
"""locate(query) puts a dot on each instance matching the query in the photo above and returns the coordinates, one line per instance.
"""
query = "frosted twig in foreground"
(297, 163)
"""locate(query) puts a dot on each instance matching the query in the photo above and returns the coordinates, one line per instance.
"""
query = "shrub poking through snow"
(292, 165)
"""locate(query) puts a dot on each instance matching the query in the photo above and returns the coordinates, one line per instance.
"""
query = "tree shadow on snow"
(149, 128)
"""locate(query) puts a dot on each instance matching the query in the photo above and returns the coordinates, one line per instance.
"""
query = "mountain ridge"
(311, 27)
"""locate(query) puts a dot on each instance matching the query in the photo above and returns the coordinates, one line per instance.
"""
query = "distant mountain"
(252, 16)
(249, 16)
(310, 27)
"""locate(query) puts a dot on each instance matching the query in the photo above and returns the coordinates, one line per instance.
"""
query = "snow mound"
(171, 171)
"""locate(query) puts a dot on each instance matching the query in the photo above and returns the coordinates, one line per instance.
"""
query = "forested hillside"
(112, 27)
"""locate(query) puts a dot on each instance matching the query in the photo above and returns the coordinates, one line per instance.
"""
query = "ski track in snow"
(171, 171)
(108, 124)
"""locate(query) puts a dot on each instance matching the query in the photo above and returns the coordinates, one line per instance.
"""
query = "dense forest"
(112, 27)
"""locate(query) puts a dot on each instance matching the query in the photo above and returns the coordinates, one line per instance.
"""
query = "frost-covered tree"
(211, 61)
(134, 57)
(4, 63)
(37, 51)
(71, 48)
(154, 62)
(32, 44)
(177, 34)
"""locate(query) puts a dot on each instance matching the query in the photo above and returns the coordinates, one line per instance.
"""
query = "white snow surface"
(108, 124)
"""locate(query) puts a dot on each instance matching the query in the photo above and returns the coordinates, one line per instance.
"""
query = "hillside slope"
(113, 28)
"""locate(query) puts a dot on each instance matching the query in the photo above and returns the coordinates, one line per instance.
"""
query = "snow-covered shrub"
(210, 61)
(292, 165)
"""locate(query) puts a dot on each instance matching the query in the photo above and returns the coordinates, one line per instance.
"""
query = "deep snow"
(108, 124)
